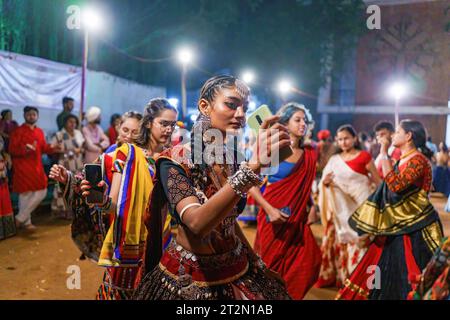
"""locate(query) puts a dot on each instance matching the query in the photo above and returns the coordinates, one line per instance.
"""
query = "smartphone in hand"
(255, 121)
(286, 211)
(93, 174)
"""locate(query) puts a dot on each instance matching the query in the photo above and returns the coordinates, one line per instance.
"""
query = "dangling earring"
(204, 122)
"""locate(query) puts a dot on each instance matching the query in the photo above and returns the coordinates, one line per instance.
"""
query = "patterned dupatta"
(125, 239)
(386, 213)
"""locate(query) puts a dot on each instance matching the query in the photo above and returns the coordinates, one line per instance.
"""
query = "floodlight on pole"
(397, 91)
(173, 102)
(248, 77)
(284, 86)
(92, 20)
(185, 56)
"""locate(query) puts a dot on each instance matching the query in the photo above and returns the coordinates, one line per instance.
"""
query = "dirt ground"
(35, 266)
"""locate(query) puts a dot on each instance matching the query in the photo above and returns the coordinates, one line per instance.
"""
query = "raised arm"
(201, 219)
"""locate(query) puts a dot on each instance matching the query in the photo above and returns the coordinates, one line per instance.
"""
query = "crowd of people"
(21, 165)
(370, 192)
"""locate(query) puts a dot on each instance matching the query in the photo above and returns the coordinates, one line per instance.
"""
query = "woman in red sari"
(399, 214)
(284, 239)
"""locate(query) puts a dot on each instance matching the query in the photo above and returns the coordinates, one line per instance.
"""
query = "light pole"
(397, 91)
(184, 56)
(83, 72)
(91, 22)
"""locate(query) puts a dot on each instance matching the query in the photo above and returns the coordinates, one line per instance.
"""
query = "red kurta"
(112, 135)
(28, 171)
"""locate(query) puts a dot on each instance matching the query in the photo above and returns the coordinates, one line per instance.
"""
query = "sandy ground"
(35, 266)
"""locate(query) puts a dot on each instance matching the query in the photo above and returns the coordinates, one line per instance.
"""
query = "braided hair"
(209, 92)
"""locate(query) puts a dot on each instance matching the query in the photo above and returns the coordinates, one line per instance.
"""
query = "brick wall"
(412, 45)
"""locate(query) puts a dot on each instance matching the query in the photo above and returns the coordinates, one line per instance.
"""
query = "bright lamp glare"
(173, 102)
(92, 20)
(251, 106)
(284, 86)
(185, 56)
(397, 90)
(194, 117)
(248, 77)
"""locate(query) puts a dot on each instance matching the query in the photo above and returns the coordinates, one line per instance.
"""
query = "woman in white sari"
(347, 181)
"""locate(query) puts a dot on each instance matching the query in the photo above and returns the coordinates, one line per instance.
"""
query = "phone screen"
(286, 211)
(94, 176)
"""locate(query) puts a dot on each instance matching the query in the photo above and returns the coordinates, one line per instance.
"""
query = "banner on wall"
(27, 80)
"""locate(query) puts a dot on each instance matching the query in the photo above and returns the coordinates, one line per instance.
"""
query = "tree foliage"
(305, 39)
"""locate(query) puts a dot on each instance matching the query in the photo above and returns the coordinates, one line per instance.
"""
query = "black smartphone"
(93, 174)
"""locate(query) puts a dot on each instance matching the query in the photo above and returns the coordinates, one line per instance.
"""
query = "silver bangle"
(243, 180)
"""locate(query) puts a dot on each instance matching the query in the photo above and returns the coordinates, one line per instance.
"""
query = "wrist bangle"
(385, 157)
(243, 180)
